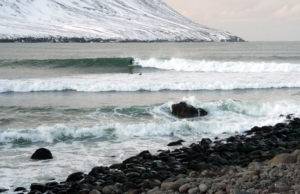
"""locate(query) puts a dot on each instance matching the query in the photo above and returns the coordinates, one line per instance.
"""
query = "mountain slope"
(100, 20)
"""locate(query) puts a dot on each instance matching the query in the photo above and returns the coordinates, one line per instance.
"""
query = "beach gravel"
(263, 160)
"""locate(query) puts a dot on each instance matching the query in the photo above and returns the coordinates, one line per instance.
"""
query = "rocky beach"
(109, 131)
(262, 160)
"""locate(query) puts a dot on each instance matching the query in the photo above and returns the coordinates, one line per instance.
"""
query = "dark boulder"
(37, 187)
(183, 110)
(77, 176)
(42, 154)
(20, 189)
(145, 154)
(176, 143)
(205, 141)
(198, 157)
(133, 159)
(128, 186)
(3, 190)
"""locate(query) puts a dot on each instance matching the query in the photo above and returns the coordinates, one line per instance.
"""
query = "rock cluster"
(264, 161)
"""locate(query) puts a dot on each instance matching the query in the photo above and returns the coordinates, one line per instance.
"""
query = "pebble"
(110, 189)
(203, 188)
(193, 190)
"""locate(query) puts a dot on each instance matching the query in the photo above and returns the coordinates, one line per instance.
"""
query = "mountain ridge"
(101, 21)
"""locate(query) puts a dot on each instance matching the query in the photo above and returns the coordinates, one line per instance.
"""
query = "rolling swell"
(108, 64)
(120, 65)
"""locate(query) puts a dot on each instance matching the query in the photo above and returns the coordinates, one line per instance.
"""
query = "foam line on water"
(153, 82)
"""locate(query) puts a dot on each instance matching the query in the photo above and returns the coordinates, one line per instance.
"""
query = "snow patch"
(117, 20)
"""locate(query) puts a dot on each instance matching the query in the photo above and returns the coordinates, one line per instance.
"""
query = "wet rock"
(133, 159)
(136, 191)
(163, 156)
(96, 171)
(205, 141)
(20, 189)
(55, 190)
(176, 143)
(292, 144)
(183, 110)
(198, 157)
(145, 154)
(132, 175)
(3, 190)
(198, 167)
(232, 139)
(52, 184)
(42, 154)
(221, 148)
(198, 148)
(77, 176)
(79, 187)
(149, 184)
(128, 186)
(37, 187)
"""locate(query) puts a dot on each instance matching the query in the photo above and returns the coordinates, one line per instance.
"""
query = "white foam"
(216, 66)
(224, 116)
(155, 82)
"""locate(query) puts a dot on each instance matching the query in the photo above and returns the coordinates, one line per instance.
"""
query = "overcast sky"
(253, 20)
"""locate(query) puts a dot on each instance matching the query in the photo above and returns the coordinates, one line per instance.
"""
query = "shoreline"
(100, 40)
(243, 163)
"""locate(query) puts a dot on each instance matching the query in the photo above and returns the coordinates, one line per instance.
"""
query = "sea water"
(84, 104)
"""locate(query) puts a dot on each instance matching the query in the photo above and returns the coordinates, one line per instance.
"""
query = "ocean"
(84, 104)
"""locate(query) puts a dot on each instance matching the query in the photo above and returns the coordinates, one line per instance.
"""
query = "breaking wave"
(226, 116)
(216, 66)
(82, 84)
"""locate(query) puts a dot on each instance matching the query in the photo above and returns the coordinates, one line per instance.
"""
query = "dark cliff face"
(101, 21)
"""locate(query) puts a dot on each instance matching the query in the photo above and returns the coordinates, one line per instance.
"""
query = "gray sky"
(252, 20)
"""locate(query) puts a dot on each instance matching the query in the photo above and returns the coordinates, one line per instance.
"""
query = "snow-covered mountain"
(100, 20)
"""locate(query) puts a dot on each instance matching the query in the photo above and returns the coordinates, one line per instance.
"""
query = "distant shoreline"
(99, 40)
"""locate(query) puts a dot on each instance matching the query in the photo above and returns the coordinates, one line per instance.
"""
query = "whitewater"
(156, 82)
(84, 103)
